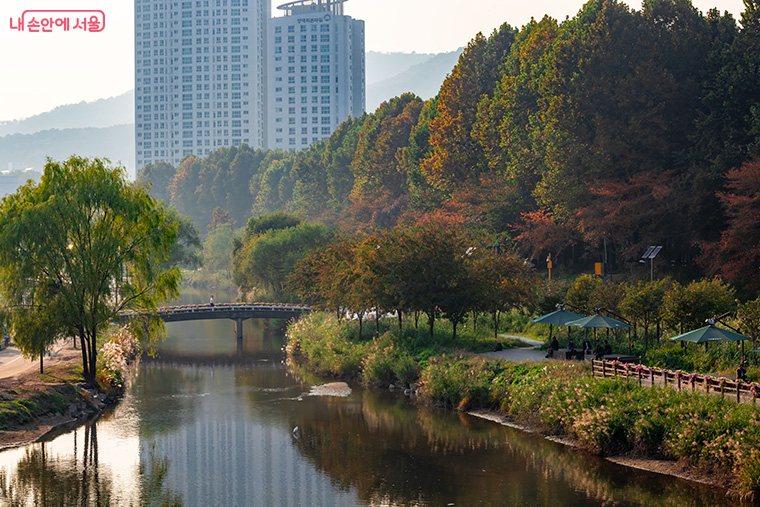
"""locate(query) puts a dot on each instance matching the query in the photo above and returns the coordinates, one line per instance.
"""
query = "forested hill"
(596, 136)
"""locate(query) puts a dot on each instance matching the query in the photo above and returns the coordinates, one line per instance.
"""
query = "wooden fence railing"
(646, 375)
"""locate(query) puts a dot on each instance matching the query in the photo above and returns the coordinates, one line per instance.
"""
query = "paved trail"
(520, 354)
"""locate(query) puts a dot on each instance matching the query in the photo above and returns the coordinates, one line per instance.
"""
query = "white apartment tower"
(315, 72)
(199, 77)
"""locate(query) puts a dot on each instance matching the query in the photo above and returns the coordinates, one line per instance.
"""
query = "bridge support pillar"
(239, 328)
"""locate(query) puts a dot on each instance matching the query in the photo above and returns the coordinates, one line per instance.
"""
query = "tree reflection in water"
(44, 478)
(396, 454)
(153, 477)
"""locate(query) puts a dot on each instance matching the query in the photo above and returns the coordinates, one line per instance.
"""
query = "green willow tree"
(77, 248)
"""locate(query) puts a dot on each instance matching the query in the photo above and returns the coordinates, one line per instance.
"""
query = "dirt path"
(13, 364)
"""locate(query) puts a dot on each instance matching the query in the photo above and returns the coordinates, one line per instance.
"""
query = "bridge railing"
(650, 376)
(223, 307)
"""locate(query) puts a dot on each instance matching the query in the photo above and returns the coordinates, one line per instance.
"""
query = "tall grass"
(609, 416)
(334, 349)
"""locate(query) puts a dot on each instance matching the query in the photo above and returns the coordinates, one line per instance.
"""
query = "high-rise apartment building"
(199, 76)
(315, 72)
(213, 73)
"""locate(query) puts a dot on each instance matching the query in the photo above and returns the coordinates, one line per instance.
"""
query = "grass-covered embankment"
(609, 416)
(53, 394)
(331, 348)
(31, 403)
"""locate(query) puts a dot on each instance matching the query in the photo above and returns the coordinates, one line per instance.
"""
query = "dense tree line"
(441, 269)
(587, 138)
(432, 268)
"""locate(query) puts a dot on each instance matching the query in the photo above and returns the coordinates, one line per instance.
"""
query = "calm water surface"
(211, 422)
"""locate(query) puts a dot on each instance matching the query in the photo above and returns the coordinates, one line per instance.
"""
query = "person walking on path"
(211, 300)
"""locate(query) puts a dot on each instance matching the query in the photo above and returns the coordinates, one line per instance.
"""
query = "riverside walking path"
(520, 354)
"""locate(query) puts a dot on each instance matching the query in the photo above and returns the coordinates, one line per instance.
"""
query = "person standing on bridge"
(211, 300)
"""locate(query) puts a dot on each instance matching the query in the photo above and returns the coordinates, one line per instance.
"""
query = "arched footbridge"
(233, 311)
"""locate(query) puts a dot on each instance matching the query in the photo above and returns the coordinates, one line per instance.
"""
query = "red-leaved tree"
(736, 255)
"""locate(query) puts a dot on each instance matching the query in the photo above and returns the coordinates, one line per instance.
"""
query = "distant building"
(199, 77)
(315, 72)
(213, 73)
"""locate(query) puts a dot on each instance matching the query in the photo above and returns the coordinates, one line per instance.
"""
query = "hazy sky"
(43, 70)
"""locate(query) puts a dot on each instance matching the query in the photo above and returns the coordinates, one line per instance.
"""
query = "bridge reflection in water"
(238, 312)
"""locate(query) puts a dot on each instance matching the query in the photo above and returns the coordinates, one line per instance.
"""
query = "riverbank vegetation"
(119, 350)
(330, 347)
(50, 393)
(609, 417)
(34, 395)
(717, 437)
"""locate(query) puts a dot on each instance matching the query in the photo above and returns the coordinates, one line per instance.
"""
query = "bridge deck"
(234, 311)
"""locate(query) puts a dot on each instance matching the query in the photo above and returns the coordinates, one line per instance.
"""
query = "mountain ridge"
(105, 127)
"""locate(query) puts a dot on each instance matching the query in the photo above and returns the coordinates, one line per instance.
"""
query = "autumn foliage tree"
(380, 186)
(736, 255)
(504, 282)
(456, 157)
(434, 267)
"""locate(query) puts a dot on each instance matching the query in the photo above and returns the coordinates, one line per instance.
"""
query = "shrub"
(322, 343)
(749, 476)
(377, 366)
(670, 357)
(115, 355)
(406, 369)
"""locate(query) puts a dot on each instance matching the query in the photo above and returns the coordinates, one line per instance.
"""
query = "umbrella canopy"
(710, 334)
(558, 318)
(597, 321)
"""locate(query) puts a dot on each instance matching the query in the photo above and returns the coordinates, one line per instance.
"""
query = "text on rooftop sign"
(322, 19)
(43, 21)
